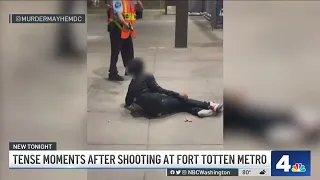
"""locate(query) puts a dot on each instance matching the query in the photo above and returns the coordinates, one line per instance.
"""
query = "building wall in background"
(154, 4)
(196, 6)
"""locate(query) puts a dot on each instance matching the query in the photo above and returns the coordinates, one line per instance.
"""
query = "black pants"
(125, 46)
(66, 45)
(155, 104)
(253, 119)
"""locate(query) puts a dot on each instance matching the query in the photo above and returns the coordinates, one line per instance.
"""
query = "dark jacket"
(144, 91)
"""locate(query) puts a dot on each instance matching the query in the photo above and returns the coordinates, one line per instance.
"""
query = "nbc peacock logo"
(298, 167)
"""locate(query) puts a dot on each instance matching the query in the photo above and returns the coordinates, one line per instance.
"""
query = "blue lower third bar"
(47, 18)
(202, 172)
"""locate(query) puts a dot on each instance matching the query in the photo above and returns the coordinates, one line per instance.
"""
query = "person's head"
(135, 67)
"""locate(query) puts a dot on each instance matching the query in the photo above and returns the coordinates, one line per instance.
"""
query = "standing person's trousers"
(66, 42)
(125, 46)
(155, 104)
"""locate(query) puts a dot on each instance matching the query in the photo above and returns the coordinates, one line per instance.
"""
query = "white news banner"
(139, 159)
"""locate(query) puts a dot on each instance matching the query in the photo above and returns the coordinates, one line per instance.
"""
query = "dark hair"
(135, 66)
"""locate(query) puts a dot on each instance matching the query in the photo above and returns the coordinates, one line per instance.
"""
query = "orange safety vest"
(129, 15)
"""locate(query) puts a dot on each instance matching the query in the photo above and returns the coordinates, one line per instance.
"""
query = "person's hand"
(130, 108)
(128, 26)
(183, 96)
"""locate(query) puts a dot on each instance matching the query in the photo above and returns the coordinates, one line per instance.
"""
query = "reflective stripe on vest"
(129, 15)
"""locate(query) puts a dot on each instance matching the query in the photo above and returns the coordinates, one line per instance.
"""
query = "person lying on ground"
(155, 101)
(274, 124)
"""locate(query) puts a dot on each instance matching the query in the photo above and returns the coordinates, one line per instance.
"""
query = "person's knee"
(168, 106)
(164, 104)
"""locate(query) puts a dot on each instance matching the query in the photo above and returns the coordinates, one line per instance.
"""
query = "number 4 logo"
(283, 163)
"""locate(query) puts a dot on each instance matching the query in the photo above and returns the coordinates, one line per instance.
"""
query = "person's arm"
(154, 86)
(109, 3)
(129, 98)
(117, 6)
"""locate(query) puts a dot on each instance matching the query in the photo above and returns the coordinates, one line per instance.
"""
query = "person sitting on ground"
(155, 101)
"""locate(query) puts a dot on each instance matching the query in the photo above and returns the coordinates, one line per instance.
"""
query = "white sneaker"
(284, 135)
(216, 107)
(308, 120)
(205, 113)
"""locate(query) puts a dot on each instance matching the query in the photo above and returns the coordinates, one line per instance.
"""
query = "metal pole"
(214, 15)
(181, 31)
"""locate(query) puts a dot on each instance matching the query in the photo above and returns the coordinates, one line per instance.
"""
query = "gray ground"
(196, 71)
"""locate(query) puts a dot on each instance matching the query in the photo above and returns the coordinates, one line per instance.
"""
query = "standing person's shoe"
(115, 78)
(216, 107)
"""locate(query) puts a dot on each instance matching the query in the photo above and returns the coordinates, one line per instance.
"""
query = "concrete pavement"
(41, 99)
(196, 71)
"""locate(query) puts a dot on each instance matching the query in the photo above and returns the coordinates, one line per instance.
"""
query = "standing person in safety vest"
(121, 22)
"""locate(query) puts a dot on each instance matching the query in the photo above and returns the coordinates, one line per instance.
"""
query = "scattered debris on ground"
(187, 120)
